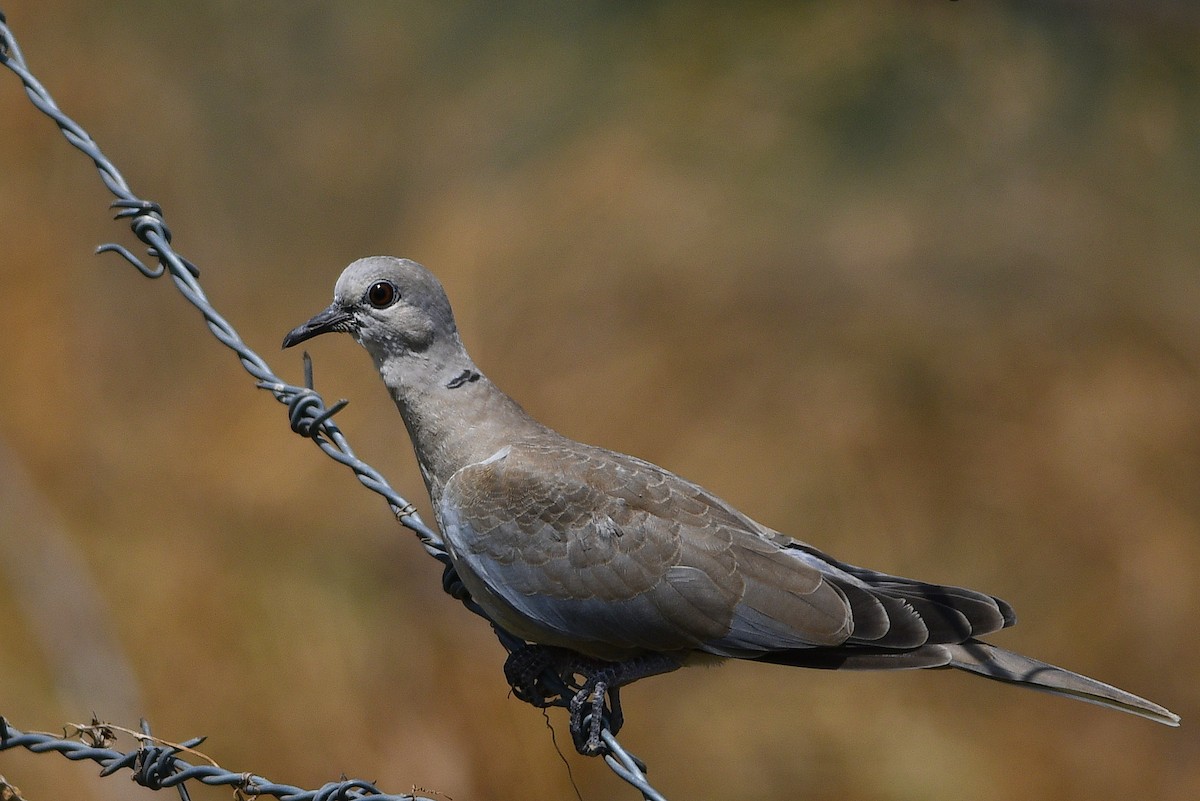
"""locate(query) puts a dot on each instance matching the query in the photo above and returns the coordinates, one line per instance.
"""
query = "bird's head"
(390, 306)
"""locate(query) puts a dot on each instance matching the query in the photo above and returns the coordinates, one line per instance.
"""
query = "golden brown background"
(916, 282)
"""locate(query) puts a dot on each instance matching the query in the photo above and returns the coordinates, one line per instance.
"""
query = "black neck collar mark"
(465, 377)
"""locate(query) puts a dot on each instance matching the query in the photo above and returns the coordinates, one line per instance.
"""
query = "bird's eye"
(382, 294)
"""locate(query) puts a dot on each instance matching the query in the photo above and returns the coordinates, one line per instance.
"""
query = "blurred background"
(913, 281)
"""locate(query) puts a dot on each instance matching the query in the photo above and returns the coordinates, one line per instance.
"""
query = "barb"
(9, 792)
(307, 412)
(155, 764)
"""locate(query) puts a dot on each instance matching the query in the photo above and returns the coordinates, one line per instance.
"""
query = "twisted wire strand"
(156, 766)
(308, 414)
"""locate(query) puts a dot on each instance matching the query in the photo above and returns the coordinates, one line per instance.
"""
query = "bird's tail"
(1001, 665)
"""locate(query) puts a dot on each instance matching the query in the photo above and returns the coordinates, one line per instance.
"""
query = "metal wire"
(156, 765)
(307, 413)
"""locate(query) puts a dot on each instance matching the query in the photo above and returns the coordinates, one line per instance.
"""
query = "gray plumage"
(614, 558)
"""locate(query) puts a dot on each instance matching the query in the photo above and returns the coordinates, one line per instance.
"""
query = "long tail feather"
(1001, 665)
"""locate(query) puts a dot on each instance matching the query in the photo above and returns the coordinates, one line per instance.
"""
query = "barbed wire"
(155, 764)
(310, 417)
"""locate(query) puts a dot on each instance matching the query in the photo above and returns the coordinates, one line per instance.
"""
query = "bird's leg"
(590, 714)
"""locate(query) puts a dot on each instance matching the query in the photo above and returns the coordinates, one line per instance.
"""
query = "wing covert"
(609, 555)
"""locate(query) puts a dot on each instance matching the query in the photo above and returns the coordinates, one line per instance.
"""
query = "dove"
(618, 568)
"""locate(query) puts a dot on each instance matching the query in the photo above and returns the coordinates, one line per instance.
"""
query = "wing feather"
(611, 556)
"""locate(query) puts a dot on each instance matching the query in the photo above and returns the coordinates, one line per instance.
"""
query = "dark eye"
(382, 294)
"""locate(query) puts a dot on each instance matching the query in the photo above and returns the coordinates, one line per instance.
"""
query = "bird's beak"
(335, 318)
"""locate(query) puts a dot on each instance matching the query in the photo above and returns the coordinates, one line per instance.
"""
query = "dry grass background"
(916, 282)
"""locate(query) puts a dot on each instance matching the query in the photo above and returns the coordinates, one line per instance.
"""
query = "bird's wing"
(593, 550)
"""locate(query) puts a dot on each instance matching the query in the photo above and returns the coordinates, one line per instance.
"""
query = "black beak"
(335, 318)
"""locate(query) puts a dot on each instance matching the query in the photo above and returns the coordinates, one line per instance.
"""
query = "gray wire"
(156, 766)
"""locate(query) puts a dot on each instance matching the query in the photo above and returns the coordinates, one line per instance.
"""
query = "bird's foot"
(530, 671)
(594, 708)
(544, 675)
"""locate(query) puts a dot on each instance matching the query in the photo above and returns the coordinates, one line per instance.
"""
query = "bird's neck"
(455, 416)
